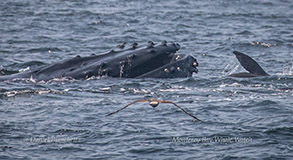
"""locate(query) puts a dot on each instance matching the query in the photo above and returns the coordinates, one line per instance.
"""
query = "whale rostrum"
(138, 61)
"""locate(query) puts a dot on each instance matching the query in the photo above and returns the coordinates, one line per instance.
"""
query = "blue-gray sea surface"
(65, 119)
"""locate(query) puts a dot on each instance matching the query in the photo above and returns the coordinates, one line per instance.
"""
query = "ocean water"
(65, 119)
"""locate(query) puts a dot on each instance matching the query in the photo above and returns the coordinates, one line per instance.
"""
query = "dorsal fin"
(250, 64)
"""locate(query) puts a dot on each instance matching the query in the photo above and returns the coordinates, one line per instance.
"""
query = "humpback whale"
(253, 68)
(138, 61)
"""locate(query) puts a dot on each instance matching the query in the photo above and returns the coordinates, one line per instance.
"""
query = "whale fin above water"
(250, 65)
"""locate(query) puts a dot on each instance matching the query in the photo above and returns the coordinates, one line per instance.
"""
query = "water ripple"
(65, 118)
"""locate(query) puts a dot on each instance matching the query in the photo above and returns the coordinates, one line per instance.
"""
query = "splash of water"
(288, 69)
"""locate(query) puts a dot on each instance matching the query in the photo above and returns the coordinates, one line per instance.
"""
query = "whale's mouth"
(180, 66)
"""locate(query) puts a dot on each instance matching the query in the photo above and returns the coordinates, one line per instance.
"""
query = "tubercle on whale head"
(194, 65)
(164, 43)
(121, 46)
(134, 45)
(151, 44)
(170, 46)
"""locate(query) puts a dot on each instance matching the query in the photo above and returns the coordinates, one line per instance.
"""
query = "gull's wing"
(141, 100)
(163, 101)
